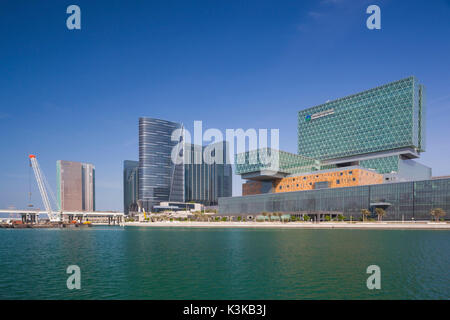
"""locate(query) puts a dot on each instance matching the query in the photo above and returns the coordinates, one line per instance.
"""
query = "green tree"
(327, 218)
(306, 217)
(437, 213)
(264, 214)
(380, 213)
(365, 213)
(278, 214)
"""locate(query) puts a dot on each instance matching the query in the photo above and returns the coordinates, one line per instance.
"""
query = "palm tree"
(437, 213)
(276, 214)
(198, 215)
(280, 214)
(264, 215)
(380, 213)
(365, 213)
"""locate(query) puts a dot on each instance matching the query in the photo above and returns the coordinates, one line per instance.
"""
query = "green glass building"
(377, 129)
(401, 200)
(269, 163)
(382, 129)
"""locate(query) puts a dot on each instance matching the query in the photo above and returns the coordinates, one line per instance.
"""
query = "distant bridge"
(30, 215)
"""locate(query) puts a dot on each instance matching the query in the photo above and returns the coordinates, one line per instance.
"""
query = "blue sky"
(77, 95)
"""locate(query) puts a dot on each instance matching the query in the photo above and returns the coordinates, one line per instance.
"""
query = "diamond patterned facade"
(379, 131)
(389, 117)
(267, 159)
(382, 165)
(376, 129)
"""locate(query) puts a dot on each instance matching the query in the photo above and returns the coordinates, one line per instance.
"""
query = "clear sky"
(77, 94)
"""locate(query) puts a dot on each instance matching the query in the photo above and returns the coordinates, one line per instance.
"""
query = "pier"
(32, 217)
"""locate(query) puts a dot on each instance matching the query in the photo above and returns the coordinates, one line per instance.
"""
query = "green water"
(186, 263)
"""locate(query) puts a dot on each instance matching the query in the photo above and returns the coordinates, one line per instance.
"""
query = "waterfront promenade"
(391, 225)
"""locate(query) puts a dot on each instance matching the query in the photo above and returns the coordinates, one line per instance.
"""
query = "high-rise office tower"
(75, 186)
(160, 179)
(206, 181)
(130, 186)
(88, 189)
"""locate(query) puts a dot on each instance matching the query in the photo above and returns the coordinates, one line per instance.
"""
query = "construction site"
(33, 217)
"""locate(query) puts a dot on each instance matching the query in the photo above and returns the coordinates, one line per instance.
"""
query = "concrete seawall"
(300, 225)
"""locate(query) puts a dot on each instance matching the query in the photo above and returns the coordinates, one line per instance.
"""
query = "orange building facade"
(329, 179)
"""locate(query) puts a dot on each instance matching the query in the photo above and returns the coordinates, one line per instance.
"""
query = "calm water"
(184, 263)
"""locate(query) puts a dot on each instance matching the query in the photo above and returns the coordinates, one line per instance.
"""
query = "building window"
(297, 185)
(341, 173)
(350, 172)
(281, 187)
(338, 181)
(354, 179)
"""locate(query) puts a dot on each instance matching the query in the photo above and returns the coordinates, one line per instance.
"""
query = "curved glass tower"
(159, 178)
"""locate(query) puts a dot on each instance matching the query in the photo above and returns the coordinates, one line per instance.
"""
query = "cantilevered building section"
(268, 163)
(381, 129)
(160, 179)
(75, 186)
(378, 131)
(264, 168)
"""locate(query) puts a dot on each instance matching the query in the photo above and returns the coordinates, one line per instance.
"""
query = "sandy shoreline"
(299, 225)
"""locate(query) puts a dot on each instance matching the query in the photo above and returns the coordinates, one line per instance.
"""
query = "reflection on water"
(185, 263)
